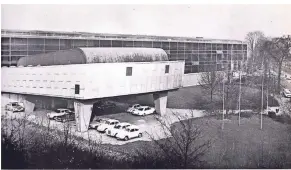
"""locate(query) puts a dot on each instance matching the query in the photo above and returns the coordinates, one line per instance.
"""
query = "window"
(167, 69)
(77, 89)
(128, 71)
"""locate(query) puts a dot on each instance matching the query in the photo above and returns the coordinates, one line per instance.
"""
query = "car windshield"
(107, 122)
(136, 106)
(117, 127)
(141, 109)
(14, 104)
(128, 130)
(58, 111)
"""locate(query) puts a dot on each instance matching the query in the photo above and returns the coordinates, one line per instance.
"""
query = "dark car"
(66, 118)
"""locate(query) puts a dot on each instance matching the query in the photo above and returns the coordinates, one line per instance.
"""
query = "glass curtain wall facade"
(199, 55)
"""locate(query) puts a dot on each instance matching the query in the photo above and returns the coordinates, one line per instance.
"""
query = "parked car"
(144, 110)
(113, 131)
(287, 93)
(58, 112)
(15, 107)
(96, 123)
(66, 118)
(133, 107)
(129, 133)
(107, 124)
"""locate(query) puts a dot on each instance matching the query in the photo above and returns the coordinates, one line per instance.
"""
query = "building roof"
(95, 55)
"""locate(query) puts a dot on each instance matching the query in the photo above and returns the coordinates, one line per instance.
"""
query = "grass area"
(244, 146)
(196, 98)
(247, 146)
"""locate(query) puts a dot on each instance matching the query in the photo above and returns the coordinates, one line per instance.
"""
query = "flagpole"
(262, 104)
(239, 96)
(223, 100)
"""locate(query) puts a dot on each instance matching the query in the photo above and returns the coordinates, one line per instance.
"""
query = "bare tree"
(182, 146)
(210, 81)
(253, 40)
(279, 49)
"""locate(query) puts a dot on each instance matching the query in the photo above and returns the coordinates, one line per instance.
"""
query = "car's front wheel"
(126, 138)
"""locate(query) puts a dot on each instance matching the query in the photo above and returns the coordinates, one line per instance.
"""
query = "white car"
(133, 107)
(129, 133)
(144, 110)
(15, 107)
(107, 125)
(98, 122)
(287, 93)
(113, 131)
(58, 112)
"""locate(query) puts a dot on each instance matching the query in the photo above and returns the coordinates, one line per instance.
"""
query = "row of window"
(211, 67)
(118, 43)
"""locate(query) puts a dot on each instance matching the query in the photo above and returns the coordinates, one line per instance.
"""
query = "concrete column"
(6, 98)
(53, 105)
(70, 104)
(160, 100)
(83, 111)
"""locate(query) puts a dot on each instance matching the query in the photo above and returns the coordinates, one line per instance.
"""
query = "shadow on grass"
(285, 119)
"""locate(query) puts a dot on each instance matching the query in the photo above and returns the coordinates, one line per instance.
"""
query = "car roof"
(62, 109)
(132, 127)
(13, 102)
(112, 120)
(144, 107)
(124, 123)
(287, 90)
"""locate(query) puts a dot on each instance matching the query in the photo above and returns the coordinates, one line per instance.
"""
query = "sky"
(222, 21)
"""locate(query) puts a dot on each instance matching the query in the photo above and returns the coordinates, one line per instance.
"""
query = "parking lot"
(148, 125)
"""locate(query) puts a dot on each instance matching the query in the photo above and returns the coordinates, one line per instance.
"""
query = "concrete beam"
(160, 100)
(83, 112)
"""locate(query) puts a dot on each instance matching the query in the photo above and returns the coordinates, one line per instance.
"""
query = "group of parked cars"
(114, 128)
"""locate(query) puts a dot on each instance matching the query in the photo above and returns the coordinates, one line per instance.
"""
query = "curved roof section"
(95, 55)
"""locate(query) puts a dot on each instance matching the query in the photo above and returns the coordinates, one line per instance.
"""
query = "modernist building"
(199, 54)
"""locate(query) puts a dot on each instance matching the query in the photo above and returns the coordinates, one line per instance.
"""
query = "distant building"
(199, 54)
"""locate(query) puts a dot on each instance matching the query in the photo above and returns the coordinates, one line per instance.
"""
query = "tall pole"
(239, 96)
(262, 104)
(223, 100)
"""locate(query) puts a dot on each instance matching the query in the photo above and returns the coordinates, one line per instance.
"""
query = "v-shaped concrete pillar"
(83, 112)
(160, 100)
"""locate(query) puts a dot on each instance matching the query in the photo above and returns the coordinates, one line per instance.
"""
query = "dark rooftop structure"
(94, 55)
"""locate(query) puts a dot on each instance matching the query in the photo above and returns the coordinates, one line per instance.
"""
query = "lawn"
(244, 146)
(196, 98)
(247, 146)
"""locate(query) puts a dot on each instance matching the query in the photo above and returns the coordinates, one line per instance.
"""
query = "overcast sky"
(209, 21)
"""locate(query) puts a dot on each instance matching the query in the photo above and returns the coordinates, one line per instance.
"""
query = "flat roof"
(104, 36)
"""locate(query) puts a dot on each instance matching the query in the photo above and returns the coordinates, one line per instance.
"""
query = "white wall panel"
(95, 80)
